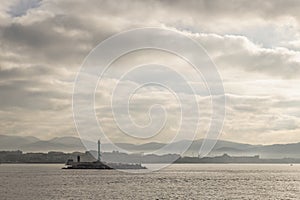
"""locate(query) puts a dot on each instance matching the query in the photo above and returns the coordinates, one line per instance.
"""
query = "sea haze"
(71, 144)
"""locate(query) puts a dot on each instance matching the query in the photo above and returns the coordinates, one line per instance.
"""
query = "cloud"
(256, 119)
(21, 7)
(238, 52)
(254, 44)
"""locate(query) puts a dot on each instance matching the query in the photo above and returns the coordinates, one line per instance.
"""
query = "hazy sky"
(255, 45)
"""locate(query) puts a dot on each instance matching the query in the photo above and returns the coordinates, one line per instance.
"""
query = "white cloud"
(254, 44)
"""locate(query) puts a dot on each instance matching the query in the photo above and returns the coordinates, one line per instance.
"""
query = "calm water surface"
(180, 181)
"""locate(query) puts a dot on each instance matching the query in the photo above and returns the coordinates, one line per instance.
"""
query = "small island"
(98, 164)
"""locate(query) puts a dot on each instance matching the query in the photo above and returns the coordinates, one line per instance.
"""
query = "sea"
(177, 181)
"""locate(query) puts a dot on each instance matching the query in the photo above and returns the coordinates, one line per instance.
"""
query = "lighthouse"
(99, 154)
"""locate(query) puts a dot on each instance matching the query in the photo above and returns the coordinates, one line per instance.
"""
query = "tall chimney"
(99, 154)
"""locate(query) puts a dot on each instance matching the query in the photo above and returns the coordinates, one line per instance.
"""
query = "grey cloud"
(22, 6)
(25, 94)
(239, 52)
(43, 45)
(242, 9)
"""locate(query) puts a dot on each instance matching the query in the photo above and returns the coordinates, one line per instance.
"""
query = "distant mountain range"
(70, 144)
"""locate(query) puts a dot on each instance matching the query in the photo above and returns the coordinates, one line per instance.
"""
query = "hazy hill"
(66, 144)
(70, 144)
(15, 142)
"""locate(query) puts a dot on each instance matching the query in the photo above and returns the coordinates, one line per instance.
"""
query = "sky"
(255, 46)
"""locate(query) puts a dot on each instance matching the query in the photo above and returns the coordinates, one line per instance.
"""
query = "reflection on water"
(180, 181)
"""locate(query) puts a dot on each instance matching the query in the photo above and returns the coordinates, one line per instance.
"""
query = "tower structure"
(99, 153)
